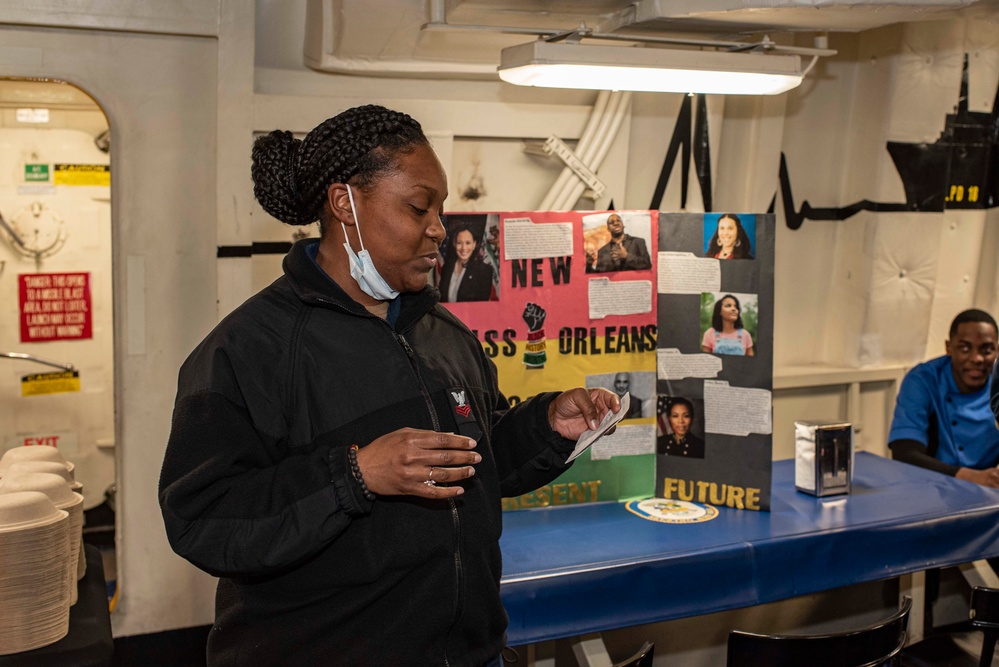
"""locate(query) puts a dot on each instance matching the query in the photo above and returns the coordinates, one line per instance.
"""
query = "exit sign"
(34, 173)
(67, 442)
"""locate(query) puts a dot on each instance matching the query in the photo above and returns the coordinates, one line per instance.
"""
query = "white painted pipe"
(596, 153)
(585, 138)
(584, 150)
(606, 140)
(438, 11)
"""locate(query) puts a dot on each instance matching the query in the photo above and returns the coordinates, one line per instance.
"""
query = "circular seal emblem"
(665, 510)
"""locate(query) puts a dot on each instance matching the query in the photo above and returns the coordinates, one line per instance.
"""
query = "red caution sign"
(55, 306)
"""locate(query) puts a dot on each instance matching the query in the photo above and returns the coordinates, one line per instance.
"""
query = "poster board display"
(625, 300)
(554, 308)
(715, 358)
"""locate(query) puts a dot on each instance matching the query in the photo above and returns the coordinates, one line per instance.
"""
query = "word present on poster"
(55, 306)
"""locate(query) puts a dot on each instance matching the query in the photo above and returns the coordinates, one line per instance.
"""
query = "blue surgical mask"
(362, 269)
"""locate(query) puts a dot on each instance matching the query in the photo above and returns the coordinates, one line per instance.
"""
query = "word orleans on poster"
(564, 299)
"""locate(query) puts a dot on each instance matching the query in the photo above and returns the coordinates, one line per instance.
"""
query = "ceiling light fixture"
(569, 64)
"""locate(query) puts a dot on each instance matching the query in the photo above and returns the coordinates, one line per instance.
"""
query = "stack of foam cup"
(34, 590)
(60, 469)
(34, 453)
(58, 491)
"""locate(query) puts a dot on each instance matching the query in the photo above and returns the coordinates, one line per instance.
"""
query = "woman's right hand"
(403, 462)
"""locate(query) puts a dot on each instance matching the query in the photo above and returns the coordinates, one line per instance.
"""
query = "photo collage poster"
(715, 289)
(560, 300)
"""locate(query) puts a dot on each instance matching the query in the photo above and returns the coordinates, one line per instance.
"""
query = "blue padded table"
(574, 570)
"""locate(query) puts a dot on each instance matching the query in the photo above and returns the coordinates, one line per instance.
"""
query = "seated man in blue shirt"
(942, 416)
(995, 392)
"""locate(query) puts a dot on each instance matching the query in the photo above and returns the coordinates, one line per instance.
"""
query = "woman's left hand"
(574, 412)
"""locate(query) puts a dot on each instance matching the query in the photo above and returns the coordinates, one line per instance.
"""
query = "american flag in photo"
(662, 414)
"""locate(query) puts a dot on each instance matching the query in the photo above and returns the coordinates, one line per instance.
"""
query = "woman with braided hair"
(339, 445)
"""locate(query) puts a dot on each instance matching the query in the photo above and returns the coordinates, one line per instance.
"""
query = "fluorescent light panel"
(649, 69)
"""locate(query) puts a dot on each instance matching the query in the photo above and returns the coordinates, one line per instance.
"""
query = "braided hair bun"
(291, 176)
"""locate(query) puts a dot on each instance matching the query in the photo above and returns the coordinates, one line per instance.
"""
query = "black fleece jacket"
(256, 489)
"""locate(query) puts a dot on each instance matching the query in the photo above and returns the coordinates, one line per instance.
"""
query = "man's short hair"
(972, 315)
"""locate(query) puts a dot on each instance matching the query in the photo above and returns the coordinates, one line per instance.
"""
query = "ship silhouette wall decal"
(958, 170)
(683, 144)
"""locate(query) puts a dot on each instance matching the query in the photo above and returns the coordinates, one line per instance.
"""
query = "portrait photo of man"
(640, 384)
(621, 251)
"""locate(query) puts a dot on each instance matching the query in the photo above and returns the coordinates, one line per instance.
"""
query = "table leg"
(980, 573)
(591, 652)
(532, 657)
(914, 585)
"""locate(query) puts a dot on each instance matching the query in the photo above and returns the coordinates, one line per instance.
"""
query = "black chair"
(951, 649)
(985, 617)
(641, 659)
(876, 645)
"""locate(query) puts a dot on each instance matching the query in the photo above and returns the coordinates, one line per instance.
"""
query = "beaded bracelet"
(356, 471)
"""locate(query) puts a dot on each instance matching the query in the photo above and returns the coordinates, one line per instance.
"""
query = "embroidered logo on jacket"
(461, 400)
(462, 408)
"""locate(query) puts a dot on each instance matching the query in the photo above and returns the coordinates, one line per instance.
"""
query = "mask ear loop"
(350, 196)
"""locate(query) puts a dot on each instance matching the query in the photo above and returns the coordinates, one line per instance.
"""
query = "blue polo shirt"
(995, 392)
(929, 401)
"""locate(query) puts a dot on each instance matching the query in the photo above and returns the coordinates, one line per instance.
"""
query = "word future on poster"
(55, 306)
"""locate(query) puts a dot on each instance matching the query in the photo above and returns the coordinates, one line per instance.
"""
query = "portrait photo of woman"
(731, 238)
(727, 332)
(677, 417)
(465, 275)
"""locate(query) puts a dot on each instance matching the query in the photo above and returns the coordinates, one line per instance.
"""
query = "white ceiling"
(722, 17)
(393, 38)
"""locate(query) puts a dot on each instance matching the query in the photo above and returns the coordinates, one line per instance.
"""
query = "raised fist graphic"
(535, 316)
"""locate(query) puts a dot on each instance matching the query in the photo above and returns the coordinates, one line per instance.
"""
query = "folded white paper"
(592, 435)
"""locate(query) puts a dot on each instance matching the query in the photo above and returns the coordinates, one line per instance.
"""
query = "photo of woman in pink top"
(727, 334)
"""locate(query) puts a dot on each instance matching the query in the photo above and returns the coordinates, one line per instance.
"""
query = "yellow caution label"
(82, 174)
(60, 382)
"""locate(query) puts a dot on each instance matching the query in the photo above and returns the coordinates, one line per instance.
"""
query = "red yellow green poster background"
(541, 331)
